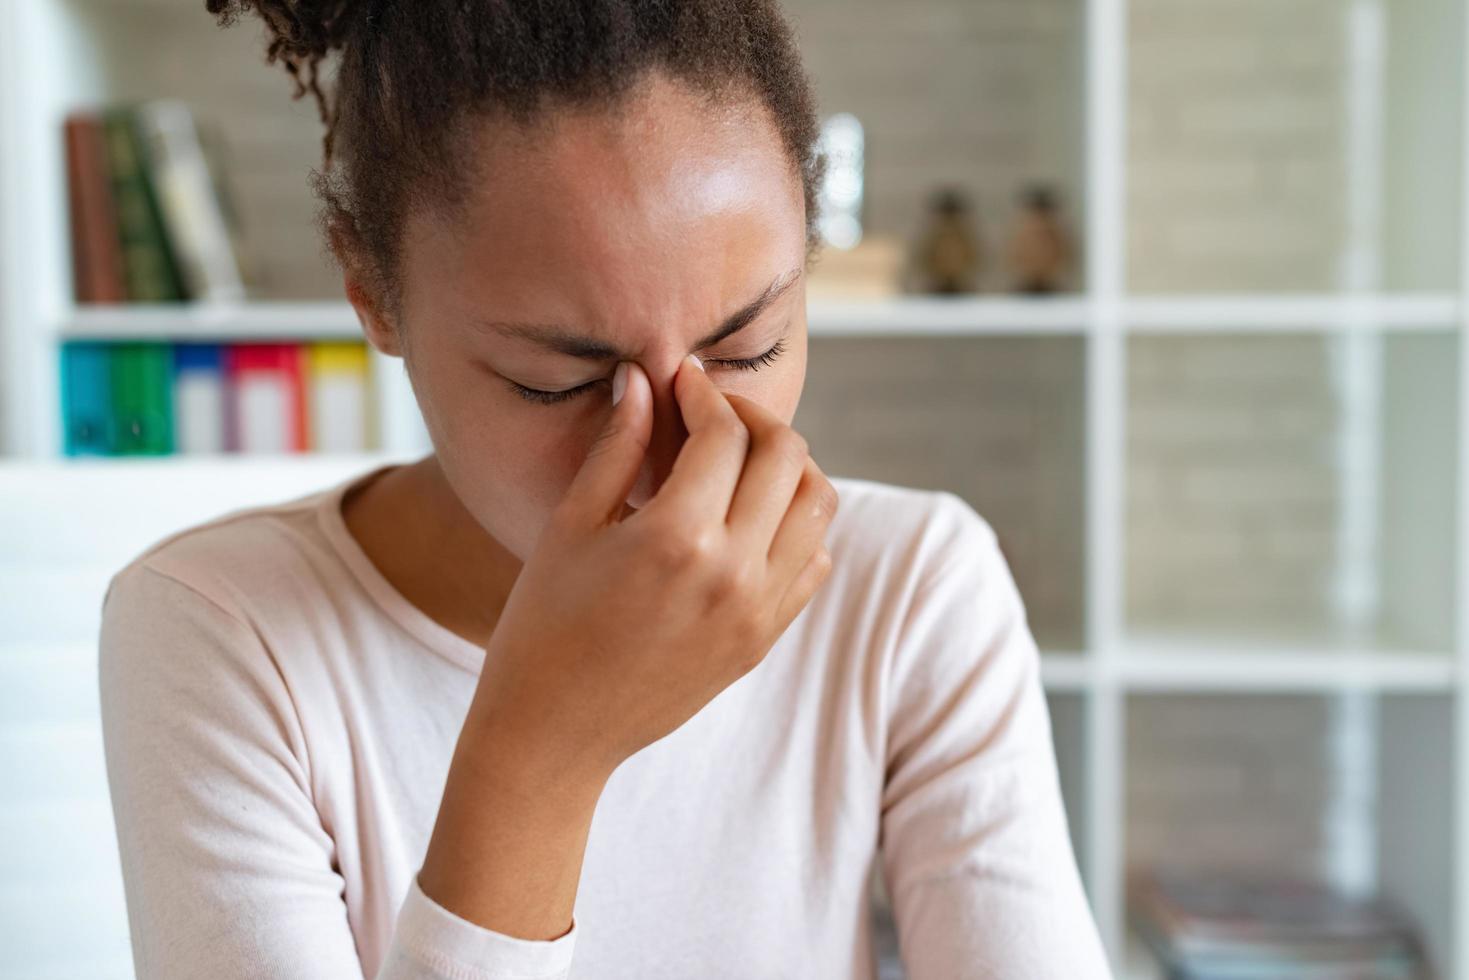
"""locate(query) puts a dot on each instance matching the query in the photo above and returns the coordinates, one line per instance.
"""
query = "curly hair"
(414, 73)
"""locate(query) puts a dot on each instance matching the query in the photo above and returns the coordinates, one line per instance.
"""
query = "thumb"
(599, 490)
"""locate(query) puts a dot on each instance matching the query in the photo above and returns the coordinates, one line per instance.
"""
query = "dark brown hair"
(415, 73)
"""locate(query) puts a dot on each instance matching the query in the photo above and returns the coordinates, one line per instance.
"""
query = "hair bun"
(303, 31)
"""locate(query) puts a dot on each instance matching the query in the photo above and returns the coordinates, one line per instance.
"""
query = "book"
(97, 268)
(217, 160)
(1239, 925)
(189, 207)
(148, 264)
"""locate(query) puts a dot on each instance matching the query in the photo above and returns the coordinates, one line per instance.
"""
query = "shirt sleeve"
(976, 854)
(227, 868)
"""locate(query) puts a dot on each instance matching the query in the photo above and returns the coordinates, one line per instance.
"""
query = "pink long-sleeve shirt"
(279, 722)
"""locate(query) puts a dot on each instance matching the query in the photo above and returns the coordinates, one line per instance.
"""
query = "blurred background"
(1170, 290)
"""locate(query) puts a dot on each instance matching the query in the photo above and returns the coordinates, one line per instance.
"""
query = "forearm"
(507, 847)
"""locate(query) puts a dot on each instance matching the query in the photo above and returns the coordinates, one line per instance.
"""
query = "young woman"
(610, 671)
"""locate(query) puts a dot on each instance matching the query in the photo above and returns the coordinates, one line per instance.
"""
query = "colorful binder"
(142, 398)
(267, 398)
(86, 398)
(199, 398)
(338, 382)
(157, 397)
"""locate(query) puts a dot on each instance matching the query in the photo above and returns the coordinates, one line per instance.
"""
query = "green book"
(142, 398)
(148, 263)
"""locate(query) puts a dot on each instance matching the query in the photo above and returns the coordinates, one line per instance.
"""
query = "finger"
(798, 595)
(702, 480)
(773, 469)
(803, 528)
(598, 493)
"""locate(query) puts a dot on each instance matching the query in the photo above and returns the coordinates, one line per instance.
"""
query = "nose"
(668, 437)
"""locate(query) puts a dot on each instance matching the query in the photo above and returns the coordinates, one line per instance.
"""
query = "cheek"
(561, 446)
(534, 451)
(510, 469)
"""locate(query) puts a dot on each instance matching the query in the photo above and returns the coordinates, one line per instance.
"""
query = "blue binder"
(86, 398)
(198, 357)
(200, 403)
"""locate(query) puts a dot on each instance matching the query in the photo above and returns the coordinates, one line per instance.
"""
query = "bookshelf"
(1382, 394)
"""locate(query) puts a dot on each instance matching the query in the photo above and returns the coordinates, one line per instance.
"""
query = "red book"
(96, 250)
(267, 398)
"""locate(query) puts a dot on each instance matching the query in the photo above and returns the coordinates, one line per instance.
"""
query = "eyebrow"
(565, 341)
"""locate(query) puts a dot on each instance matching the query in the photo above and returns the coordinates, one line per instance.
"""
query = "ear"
(377, 324)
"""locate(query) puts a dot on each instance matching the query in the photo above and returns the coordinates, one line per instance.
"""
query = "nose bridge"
(668, 433)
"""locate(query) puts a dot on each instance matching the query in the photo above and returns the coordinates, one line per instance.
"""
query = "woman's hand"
(621, 628)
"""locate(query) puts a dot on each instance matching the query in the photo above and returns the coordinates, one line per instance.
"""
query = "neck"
(417, 532)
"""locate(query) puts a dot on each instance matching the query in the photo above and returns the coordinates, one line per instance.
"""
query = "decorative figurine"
(1039, 247)
(947, 256)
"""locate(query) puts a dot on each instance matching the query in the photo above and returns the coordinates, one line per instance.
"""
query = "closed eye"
(750, 363)
(542, 397)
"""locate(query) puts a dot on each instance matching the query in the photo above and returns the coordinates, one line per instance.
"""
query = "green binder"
(142, 398)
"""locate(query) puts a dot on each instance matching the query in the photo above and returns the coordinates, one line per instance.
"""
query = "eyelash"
(738, 363)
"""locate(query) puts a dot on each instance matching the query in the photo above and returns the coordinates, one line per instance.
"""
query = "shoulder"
(231, 561)
(914, 533)
(201, 626)
(934, 566)
(188, 622)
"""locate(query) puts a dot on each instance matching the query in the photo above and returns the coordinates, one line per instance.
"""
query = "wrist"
(528, 761)
(507, 847)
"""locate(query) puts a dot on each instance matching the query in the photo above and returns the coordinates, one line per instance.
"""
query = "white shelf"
(1280, 670)
(905, 316)
(918, 315)
(1247, 313)
(1260, 670)
(938, 316)
(212, 321)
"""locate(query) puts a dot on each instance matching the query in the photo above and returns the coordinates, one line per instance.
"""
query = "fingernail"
(619, 381)
(697, 363)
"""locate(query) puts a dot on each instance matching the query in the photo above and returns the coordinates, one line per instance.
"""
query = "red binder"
(267, 398)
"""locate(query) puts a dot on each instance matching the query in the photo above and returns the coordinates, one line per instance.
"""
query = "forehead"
(668, 208)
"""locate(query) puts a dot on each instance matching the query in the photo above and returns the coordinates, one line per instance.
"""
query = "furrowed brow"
(563, 340)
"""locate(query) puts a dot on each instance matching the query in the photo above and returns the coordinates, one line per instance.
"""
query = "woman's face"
(668, 229)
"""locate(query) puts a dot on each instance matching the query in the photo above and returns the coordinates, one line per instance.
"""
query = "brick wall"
(1228, 781)
(1235, 144)
(997, 420)
(1233, 490)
